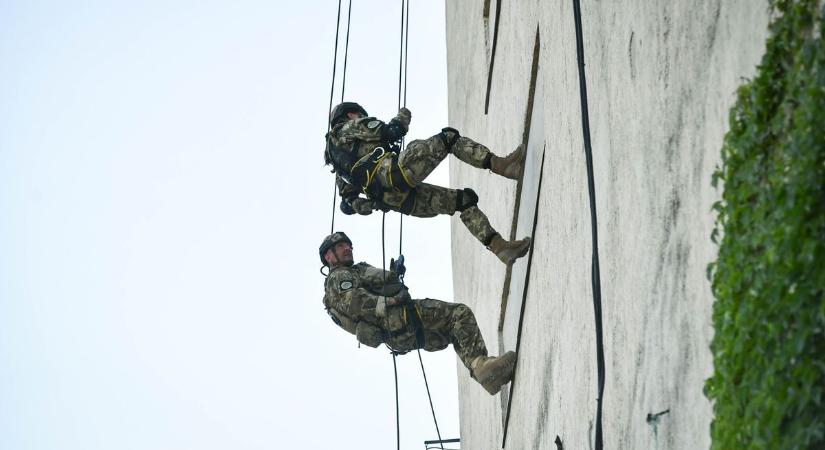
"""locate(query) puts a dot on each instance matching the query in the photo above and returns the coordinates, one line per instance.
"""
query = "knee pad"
(449, 136)
(466, 198)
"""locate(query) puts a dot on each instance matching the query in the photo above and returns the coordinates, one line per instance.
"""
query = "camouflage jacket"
(351, 141)
(351, 295)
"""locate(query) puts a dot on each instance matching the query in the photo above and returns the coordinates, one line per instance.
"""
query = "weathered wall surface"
(661, 77)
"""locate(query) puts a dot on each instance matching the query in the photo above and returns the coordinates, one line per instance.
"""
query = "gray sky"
(162, 198)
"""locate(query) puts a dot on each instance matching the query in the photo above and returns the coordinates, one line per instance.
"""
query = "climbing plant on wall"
(768, 386)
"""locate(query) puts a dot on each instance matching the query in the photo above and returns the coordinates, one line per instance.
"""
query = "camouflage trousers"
(422, 156)
(443, 324)
(416, 162)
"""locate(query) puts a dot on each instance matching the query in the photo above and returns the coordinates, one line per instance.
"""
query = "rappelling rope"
(432, 408)
(332, 92)
(404, 50)
(402, 101)
(402, 87)
(394, 365)
(402, 95)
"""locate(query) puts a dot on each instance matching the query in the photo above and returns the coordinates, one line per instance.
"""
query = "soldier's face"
(354, 115)
(339, 255)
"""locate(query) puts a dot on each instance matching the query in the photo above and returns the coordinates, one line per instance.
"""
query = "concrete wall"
(661, 76)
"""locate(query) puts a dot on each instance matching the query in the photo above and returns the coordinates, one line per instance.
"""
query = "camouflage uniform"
(353, 292)
(396, 181)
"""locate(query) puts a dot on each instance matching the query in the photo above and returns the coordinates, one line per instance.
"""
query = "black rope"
(402, 88)
(394, 365)
(402, 63)
(427, 385)
(397, 414)
(334, 197)
(402, 75)
(406, 48)
(334, 60)
(401, 52)
(346, 53)
(591, 186)
(331, 96)
(332, 93)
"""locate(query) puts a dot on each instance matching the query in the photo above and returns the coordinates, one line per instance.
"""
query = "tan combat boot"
(509, 166)
(493, 372)
(508, 251)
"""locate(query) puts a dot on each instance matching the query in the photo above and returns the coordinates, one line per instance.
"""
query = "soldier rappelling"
(372, 172)
(376, 307)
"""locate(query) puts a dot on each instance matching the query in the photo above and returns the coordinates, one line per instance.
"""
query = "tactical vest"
(341, 159)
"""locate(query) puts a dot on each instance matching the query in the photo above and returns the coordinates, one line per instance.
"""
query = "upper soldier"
(376, 307)
(366, 158)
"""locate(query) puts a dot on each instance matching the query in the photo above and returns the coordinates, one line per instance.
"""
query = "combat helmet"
(330, 241)
(339, 113)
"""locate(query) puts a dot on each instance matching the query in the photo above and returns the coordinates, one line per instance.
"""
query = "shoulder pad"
(342, 279)
(361, 267)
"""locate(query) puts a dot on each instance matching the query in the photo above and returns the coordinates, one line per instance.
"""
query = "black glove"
(346, 208)
(397, 266)
(362, 206)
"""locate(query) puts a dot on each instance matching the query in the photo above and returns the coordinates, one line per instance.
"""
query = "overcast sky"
(162, 199)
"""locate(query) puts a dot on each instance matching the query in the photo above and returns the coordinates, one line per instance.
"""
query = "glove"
(362, 206)
(346, 208)
(404, 117)
(397, 266)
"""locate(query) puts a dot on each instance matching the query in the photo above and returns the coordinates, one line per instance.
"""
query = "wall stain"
(630, 56)
(714, 24)
(544, 404)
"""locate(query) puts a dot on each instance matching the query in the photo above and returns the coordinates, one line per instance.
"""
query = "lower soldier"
(375, 306)
(366, 158)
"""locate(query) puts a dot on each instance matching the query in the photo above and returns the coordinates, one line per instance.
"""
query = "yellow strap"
(404, 175)
(371, 175)
(417, 311)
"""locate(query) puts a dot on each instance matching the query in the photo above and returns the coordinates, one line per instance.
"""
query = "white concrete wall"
(661, 76)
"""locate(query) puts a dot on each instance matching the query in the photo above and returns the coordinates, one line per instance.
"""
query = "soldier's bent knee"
(462, 313)
(466, 198)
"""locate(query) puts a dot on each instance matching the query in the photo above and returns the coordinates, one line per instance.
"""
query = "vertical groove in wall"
(524, 297)
(528, 122)
(591, 187)
(492, 55)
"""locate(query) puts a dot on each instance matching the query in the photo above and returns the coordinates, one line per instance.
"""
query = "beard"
(345, 260)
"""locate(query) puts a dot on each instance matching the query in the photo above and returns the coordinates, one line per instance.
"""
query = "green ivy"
(769, 278)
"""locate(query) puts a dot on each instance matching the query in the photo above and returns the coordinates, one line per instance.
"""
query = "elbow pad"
(465, 198)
